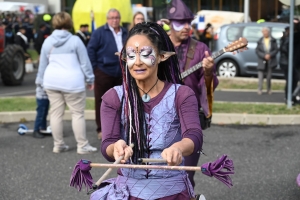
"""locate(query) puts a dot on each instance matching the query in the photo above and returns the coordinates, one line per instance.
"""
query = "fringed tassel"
(215, 169)
(81, 175)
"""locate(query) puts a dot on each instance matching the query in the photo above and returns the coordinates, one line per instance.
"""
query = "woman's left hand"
(90, 86)
(207, 64)
(172, 155)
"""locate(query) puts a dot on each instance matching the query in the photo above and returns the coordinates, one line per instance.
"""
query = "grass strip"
(249, 85)
(253, 108)
(33, 54)
(29, 104)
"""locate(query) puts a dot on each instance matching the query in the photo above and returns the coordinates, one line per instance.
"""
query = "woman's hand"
(122, 149)
(172, 155)
(90, 86)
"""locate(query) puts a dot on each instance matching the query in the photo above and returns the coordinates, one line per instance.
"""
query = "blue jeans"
(41, 114)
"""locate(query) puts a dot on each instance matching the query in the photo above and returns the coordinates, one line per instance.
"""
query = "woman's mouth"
(139, 71)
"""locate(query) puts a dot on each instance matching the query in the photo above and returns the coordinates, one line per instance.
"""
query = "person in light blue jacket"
(64, 72)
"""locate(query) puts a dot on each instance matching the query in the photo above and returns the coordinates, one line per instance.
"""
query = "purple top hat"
(177, 10)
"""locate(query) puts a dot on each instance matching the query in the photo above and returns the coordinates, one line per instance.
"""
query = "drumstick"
(165, 167)
(145, 160)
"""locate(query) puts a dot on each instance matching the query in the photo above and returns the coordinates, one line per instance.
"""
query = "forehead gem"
(137, 46)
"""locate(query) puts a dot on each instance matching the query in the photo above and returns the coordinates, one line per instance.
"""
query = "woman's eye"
(146, 54)
(130, 56)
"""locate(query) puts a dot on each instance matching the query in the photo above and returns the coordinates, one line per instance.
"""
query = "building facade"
(259, 9)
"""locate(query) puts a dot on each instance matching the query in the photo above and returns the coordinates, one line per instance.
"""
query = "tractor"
(12, 62)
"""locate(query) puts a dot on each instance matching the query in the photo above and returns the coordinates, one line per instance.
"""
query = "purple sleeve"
(110, 120)
(187, 109)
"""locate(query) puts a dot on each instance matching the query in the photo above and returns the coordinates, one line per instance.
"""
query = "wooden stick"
(162, 167)
(145, 160)
(103, 177)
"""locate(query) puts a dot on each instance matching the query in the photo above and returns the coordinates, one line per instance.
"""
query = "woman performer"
(153, 111)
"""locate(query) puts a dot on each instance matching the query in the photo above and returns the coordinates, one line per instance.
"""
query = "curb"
(218, 118)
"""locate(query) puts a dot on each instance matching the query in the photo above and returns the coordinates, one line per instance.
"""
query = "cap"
(177, 10)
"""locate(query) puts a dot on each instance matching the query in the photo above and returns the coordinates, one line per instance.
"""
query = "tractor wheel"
(12, 65)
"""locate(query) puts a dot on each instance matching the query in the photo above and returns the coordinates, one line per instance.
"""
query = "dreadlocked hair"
(134, 115)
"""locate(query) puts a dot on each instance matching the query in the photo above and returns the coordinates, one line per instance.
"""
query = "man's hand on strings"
(207, 64)
(122, 149)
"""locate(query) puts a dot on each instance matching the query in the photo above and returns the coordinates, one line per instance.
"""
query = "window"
(252, 33)
(277, 32)
(234, 33)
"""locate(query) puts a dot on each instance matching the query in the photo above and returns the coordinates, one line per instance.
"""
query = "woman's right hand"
(122, 149)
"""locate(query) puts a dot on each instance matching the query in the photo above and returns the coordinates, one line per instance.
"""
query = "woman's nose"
(138, 60)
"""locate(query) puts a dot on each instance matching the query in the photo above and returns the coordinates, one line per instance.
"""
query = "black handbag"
(204, 121)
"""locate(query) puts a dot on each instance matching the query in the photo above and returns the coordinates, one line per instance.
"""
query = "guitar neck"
(199, 65)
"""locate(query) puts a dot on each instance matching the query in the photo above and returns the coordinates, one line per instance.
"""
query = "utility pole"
(291, 52)
(246, 10)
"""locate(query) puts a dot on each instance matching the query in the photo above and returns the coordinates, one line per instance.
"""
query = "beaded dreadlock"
(135, 123)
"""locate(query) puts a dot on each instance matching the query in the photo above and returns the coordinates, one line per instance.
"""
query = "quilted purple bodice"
(163, 130)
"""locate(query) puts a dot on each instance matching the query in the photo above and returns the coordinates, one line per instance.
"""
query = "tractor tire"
(12, 65)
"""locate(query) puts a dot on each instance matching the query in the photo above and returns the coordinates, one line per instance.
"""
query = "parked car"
(244, 63)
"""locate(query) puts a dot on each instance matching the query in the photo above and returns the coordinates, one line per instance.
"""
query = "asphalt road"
(266, 161)
(28, 88)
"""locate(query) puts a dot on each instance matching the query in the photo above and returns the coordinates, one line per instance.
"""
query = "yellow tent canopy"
(82, 9)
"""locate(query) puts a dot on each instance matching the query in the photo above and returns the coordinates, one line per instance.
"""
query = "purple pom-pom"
(215, 169)
(81, 175)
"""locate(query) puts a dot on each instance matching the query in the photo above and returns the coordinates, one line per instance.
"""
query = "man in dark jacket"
(82, 33)
(104, 43)
(266, 51)
(9, 34)
(296, 61)
(39, 38)
(284, 61)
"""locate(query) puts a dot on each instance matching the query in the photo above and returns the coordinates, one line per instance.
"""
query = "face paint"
(179, 25)
(131, 56)
(147, 55)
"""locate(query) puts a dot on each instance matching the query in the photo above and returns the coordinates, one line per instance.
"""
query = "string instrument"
(239, 44)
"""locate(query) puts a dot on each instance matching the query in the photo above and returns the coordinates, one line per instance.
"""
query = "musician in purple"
(191, 52)
(153, 111)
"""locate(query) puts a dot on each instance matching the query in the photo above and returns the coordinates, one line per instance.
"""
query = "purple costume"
(170, 116)
(196, 82)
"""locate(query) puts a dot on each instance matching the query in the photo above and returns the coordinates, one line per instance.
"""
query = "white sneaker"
(200, 197)
(86, 149)
(60, 149)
